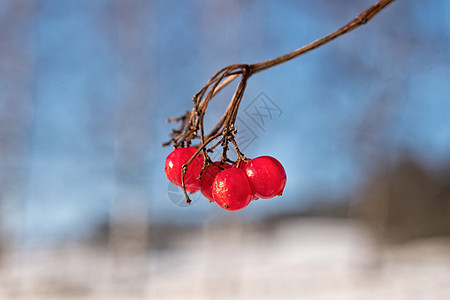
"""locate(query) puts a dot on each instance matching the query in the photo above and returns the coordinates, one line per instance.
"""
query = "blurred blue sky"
(103, 76)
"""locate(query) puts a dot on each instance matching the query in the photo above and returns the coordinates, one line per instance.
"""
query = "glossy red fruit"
(242, 166)
(174, 164)
(208, 176)
(266, 176)
(192, 189)
(231, 189)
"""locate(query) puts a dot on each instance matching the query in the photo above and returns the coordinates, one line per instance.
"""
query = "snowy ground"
(299, 259)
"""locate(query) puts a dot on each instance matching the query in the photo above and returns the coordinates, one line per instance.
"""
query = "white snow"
(300, 259)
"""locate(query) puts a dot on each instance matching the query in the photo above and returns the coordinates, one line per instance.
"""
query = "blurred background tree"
(17, 69)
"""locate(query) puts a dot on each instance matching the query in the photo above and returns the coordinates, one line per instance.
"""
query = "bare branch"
(192, 121)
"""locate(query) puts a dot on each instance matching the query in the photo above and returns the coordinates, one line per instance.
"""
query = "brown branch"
(361, 19)
(192, 121)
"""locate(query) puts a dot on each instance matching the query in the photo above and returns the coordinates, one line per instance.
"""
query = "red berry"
(266, 176)
(242, 166)
(192, 189)
(231, 189)
(174, 165)
(208, 176)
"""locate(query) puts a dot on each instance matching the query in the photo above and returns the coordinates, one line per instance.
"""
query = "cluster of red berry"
(231, 186)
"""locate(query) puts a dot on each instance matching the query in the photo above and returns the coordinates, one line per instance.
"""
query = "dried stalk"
(192, 121)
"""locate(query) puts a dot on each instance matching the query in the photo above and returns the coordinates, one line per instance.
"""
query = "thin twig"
(361, 19)
(192, 121)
